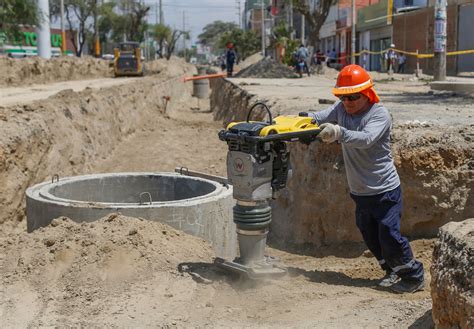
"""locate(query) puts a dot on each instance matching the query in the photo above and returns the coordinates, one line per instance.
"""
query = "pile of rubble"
(268, 69)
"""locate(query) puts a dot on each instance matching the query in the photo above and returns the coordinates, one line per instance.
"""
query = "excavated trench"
(67, 134)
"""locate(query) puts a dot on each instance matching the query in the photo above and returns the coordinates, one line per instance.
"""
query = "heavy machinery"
(128, 60)
(258, 164)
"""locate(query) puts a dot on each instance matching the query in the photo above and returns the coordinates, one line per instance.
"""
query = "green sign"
(30, 39)
(372, 16)
(256, 4)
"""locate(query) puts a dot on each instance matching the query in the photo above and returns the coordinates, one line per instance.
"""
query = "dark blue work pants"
(378, 219)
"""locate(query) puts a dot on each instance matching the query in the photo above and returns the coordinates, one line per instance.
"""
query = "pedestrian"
(333, 56)
(391, 58)
(364, 56)
(401, 63)
(328, 58)
(230, 57)
(362, 125)
(302, 59)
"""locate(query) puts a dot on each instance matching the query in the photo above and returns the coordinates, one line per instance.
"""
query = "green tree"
(212, 32)
(281, 35)
(315, 18)
(78, 14)
(128, 19)
(14, 13)
(118, 20)
(246, 43)
(167, 38)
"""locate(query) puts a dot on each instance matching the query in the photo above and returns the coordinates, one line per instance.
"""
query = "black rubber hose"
(264, 106)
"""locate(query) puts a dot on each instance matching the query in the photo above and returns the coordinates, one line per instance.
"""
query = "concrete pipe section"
(197, 206)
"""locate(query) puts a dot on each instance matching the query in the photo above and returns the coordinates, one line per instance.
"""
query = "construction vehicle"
(258, 165)
(128, 60)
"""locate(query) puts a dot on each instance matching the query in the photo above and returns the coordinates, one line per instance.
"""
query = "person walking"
(391, 59)
(362, 125)
(230, 57)
(302, 60)
(364, 56)
(401, 63)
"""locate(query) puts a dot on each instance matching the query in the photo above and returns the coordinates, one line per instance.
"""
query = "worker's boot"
(408, 286)
(389, 279)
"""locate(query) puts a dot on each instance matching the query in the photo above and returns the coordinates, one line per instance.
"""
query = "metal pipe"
(209, 76)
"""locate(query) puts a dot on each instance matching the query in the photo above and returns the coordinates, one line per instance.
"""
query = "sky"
(198, 13)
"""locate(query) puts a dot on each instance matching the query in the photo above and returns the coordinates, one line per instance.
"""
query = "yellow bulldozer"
(128, 60)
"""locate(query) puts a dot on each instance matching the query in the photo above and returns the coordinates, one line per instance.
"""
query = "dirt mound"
(324, 70)
(38, 70)
(268, 69)
(68, 266)
(93, 250)
(250, 60)
(174, 66)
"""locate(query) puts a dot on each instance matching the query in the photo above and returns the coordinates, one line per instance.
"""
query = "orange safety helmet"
(354, 79)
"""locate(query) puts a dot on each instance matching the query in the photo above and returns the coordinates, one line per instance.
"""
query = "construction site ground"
(127, 272)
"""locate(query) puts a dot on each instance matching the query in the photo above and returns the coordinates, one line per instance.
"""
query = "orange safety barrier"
(209, 76)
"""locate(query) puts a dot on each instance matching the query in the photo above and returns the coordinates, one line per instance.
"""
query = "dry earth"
(126, 272)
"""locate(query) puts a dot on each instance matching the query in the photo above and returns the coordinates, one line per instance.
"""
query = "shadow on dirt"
(209, 273)
(423, 322)
(341, 250)
(449, 98)
(332, 278)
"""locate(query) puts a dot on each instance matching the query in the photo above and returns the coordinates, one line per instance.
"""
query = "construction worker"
(231, 57)
(362, 125)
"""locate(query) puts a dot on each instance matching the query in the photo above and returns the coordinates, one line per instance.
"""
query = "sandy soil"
(18, 95)
(126, 272)
(27, 71)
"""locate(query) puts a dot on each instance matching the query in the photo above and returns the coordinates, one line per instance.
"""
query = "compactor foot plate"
(268, 268)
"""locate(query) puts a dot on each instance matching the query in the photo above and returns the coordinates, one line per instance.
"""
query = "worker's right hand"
(329, 133)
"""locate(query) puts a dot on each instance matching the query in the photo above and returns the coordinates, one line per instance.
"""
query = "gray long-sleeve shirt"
(366, 149)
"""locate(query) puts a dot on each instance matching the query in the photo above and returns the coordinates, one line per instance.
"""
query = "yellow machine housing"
(128, 61)
(284, 124)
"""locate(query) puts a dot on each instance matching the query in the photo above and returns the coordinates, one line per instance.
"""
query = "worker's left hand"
(329, 133)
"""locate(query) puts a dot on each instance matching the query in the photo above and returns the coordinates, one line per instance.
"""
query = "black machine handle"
(293, 136)
(262, 105)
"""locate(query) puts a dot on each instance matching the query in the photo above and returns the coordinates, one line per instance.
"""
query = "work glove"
(329, 133)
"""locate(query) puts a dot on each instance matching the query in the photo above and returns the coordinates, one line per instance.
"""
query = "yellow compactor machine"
(128, 60)
(258, 164)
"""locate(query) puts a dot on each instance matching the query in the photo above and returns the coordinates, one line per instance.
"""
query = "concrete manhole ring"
(195, 205)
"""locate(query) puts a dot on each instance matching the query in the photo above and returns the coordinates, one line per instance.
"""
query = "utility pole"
(184, 36)
(440, 40)
(262, 17)
(239, 13)
(303, 30)
(292, 32)
(43, 30)
(63, 30)
(162, 21)
(353, 32)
